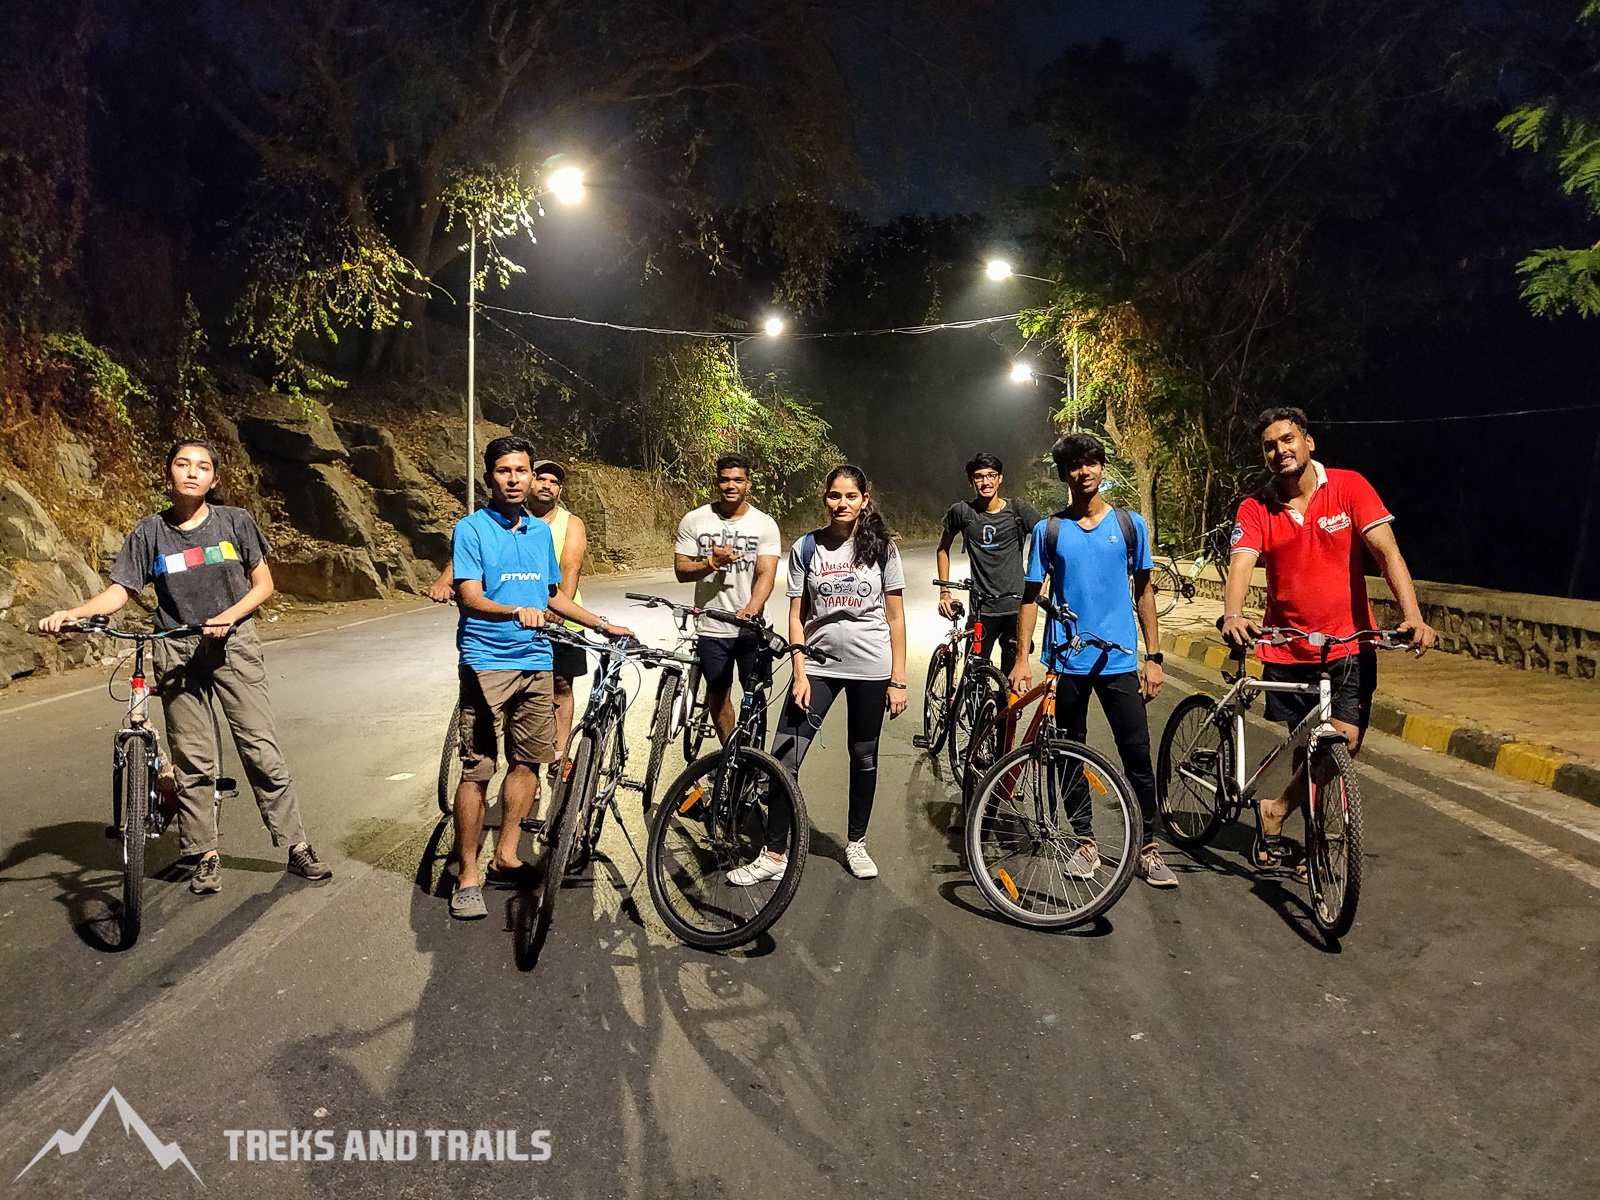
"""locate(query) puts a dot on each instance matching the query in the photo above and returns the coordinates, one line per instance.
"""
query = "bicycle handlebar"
(1282, 635)
(103, 625)
(751, 624)
(621, 647)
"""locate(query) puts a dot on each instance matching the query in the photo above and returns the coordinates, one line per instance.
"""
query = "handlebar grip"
(641, 597)
(728, 618)
(951, 583)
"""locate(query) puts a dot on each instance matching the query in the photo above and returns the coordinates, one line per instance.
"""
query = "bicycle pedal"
(920, 741)
(532, 824)
(631, 785)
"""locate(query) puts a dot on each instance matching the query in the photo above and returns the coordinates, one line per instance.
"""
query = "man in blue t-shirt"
(1088, 568)
(506, 572)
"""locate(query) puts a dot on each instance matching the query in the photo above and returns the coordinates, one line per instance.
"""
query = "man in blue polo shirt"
(506, 571)
(1089, 568)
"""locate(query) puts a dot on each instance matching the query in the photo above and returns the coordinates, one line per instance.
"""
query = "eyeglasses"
(986, 477)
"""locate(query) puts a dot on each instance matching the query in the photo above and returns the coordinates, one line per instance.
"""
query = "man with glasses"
(994, 533)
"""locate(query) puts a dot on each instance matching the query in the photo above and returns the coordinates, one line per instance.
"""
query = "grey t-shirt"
(197, 572)
(846, 617)
(754, 535)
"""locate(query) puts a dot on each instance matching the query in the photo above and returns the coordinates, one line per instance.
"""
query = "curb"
(1443, 734)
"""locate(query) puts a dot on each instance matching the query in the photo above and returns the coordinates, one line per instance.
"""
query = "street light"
(566, 185)
(773, 326)
(999, 268)
(1021, 372)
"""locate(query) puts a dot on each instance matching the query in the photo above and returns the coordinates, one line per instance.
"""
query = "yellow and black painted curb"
(1445, 734)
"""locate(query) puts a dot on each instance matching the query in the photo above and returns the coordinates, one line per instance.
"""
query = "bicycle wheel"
(450, 762)
(987, 745)
(1194, 770)
(607, 778)
(1053, 835)
(136, 780)
(660, 732)
(698, 725)
(1333, 841)
(535, 918)
(936, 699)
(1165, 582)
(981, 682)
(698, 834)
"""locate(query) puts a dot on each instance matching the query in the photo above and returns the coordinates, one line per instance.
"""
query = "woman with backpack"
(845, 599)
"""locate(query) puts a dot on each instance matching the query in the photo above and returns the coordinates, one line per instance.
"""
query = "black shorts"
(1354, 680)
(570, 661)
(719, 656)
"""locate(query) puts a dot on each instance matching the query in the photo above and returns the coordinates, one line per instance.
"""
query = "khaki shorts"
(521, 704)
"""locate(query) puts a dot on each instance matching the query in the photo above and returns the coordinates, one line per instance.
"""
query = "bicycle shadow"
(1275, 892)
(953, 891)
(89, 891)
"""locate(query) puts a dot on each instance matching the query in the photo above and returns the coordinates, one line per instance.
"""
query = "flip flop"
(501, 877)
(466, 904)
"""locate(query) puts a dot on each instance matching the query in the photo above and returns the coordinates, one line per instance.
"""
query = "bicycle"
(680, 708)
(1170, 582)
(961, 684)
(141, 808)
(1201, 785)
(592, 774)
(722, 811)
(1053, 830)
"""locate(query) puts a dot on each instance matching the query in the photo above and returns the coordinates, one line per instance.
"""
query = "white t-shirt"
(846, 617)
(754, 535)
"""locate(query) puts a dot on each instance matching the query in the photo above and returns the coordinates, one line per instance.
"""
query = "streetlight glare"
(998, 268)
(773, 326)
(566, 184)
(1021, 372)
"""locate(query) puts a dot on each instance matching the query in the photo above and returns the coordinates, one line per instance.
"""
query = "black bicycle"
(723, 812)
(143, 801)
(962, 688)
(593, 772)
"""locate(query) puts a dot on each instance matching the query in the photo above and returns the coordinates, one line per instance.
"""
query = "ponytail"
(873, 537)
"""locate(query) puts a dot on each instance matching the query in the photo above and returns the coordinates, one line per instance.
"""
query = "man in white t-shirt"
(729, 550)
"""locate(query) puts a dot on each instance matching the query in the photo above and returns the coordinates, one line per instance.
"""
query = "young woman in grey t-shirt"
(845, 598)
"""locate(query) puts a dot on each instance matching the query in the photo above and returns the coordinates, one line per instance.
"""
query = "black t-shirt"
(197, 572)
(994, 543)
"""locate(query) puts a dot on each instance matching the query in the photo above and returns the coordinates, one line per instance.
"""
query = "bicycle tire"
(660, 732)
(1020, 842)
(1190, 813)
(450, 762)
(936, 700)
(984, 749)
(687, 863)
(1334, 840)
(136, 780)
(979, 682)
(1167, 589)
(569, 817)
(696, 727)
(607, 777)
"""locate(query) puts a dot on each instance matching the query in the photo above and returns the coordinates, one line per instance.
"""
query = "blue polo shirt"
(516, 563)
(1088, 572)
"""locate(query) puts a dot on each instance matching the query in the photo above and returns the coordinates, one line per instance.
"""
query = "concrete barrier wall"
(1533, 633)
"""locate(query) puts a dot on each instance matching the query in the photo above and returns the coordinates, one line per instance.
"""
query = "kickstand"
(616, 814)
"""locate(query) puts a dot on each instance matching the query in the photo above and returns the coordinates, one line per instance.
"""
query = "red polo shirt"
(1316, 563)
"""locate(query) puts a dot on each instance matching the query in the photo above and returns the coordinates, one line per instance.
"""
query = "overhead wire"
(726, 335)
(1516, 412)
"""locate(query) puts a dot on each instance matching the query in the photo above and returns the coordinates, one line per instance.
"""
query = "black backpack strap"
(1130, 536)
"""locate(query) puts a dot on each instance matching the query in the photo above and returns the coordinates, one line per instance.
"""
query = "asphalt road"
(893, 1038)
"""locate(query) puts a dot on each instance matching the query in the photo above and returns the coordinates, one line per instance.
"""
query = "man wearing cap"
(571, 537)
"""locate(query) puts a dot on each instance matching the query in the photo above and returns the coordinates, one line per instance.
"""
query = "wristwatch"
(1158, 658)
(601, 625)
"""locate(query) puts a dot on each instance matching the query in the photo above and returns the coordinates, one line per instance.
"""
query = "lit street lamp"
(566, 185)
(772, 326)
(999, 268)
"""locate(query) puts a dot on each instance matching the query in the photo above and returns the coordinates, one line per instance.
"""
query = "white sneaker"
(760, 869)
(859, 861)
(1084, 862)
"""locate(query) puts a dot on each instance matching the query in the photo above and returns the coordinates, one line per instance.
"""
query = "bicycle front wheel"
(136, 782)
(660, 732)
(981, 683)
(1194, 770)
(936, 699)
(698, 725)
(1333, 839)
(1053, 835)
(450, 762)
(712, 821)
(1167, 589)
(569, 818)
(984, 750)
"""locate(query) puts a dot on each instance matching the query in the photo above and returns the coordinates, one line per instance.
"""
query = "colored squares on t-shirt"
(196, 556)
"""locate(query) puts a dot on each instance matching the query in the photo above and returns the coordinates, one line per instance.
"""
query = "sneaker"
(1084, 862)
(207, 877)
(859, 861)
(760, 869)
(303, 861)
(1153, 871)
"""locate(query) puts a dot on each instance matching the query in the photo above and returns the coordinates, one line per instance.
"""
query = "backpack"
(1130, 536)
(808, 551)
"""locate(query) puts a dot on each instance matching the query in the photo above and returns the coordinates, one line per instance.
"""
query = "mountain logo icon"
(64, 1143)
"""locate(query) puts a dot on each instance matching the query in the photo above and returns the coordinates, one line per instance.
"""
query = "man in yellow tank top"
(571, 537)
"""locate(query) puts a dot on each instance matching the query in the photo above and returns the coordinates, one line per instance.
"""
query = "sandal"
(466, 904)
(1268, 854)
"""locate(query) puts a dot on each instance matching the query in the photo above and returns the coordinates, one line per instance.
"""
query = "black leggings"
(1124, 709)
(865, 699)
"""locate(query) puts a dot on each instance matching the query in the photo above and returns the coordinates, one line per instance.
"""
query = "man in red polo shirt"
(1312, 529)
